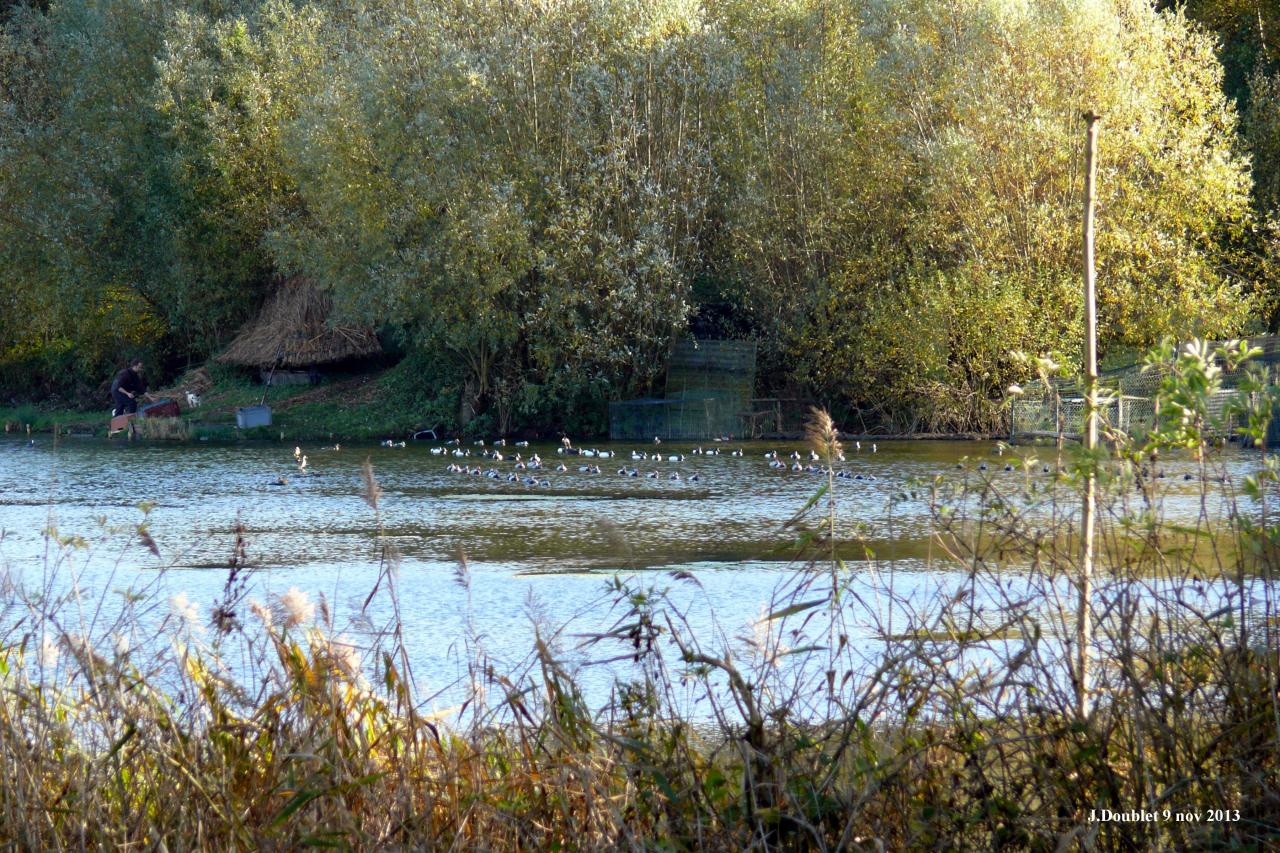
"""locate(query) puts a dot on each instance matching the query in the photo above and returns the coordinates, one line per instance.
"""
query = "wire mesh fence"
(709, 392)
(1129, 400)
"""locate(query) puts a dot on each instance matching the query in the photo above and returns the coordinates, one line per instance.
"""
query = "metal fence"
(709, 392)
(1059, 409)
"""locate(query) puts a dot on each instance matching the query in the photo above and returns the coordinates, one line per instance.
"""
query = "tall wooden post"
(1084, 617)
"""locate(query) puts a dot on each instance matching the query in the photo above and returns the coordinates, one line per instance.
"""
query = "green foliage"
(539, 198)
(977, 247)
(1263, 137)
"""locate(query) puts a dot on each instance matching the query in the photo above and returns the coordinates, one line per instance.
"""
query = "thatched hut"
(292, 332)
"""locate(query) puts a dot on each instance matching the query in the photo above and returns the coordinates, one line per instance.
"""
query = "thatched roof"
(292, 331)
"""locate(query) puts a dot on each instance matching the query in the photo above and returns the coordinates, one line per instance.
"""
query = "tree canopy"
(537, 198)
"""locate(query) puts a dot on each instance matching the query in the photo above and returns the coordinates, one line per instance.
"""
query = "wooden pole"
(1084, 617)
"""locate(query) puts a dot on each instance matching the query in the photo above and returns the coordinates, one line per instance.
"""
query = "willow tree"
(519, 186)
(978, 111)
(228, 85)
(78, 182)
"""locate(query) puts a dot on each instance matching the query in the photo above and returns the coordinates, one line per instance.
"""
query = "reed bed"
(259, 725)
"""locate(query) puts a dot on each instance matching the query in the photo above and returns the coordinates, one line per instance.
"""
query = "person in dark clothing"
(127, 387)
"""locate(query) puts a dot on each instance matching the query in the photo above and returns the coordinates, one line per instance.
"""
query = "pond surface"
(544, 551)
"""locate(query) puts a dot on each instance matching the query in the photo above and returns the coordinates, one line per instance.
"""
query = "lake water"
(541, 553)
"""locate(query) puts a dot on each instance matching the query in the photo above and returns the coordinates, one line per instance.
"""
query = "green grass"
(351, 407)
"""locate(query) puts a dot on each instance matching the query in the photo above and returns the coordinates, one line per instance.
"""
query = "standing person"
(127, 387)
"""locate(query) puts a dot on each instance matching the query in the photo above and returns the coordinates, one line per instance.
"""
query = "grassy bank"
(347, 407)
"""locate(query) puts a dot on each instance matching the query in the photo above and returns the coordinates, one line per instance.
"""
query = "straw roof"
(292, 331)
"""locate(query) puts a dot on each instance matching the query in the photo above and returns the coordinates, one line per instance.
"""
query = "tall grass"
(853, 715)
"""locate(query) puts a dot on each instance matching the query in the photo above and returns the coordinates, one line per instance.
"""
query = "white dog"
(193, 399)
